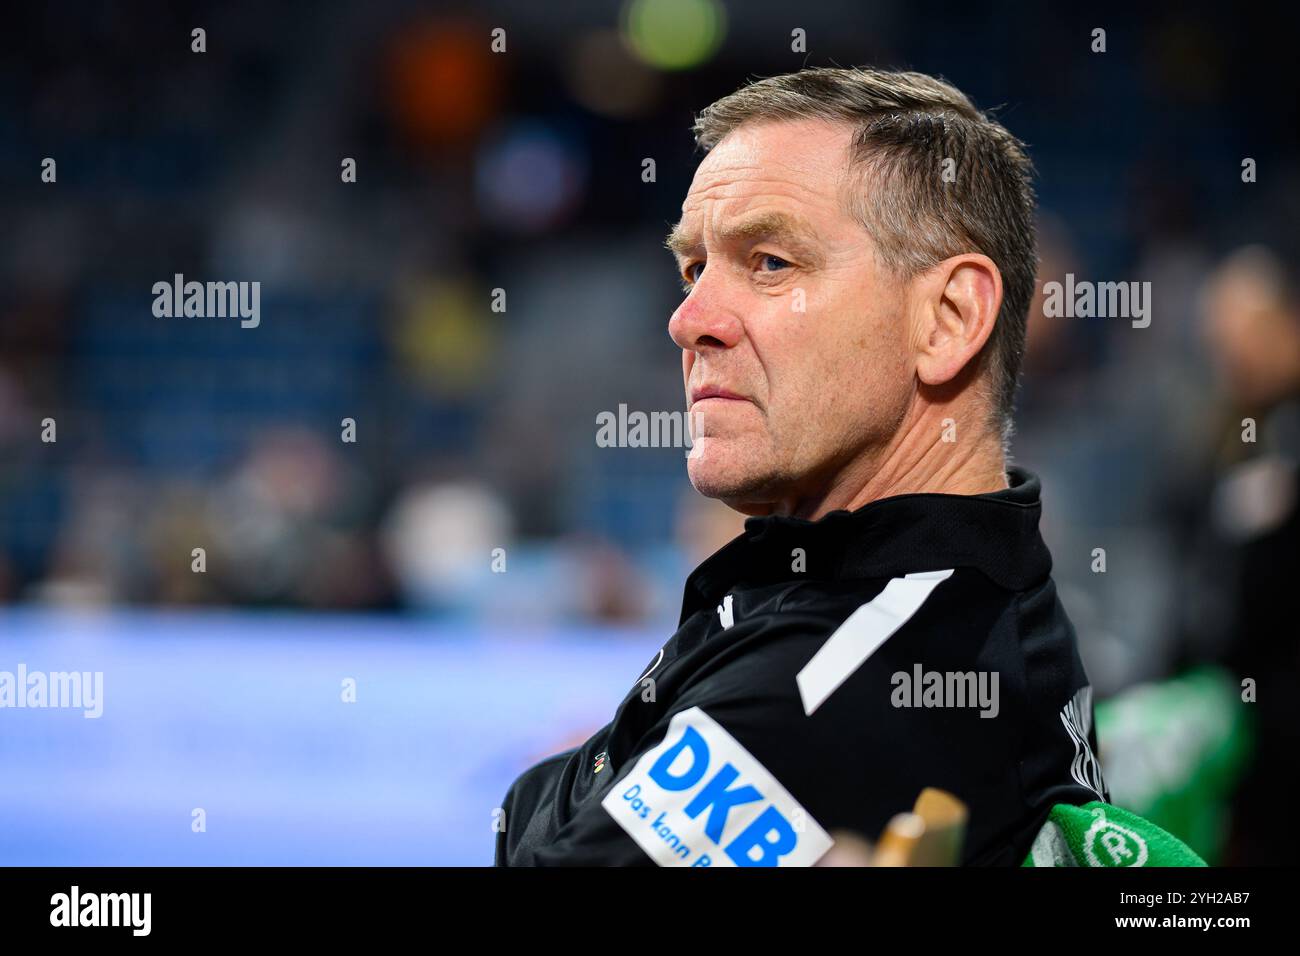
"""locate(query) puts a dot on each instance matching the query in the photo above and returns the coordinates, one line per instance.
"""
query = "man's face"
(795, 351)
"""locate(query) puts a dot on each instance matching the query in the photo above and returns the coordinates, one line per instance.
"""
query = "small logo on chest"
(600, 762)
(725, 613)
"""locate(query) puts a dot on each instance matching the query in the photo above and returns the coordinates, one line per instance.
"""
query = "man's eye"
(692, 272)
(773, 263)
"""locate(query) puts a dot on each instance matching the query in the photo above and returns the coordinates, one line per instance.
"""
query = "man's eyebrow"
(778, 226)
(679, 242)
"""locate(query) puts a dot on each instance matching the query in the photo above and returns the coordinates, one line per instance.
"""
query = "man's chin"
(732, 480)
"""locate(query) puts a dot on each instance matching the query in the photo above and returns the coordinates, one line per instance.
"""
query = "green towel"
(1173, 752)
(1099, 834)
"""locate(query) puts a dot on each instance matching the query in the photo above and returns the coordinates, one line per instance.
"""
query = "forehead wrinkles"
(741, 174)
(713, 206)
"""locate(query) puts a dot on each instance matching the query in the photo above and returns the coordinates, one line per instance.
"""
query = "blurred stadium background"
(522, 171)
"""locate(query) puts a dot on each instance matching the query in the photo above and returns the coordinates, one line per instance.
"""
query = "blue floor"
(240, 715)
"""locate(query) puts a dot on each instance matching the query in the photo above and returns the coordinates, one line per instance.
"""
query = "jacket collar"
(995, 533)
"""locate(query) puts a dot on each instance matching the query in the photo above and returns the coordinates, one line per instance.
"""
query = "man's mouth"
(706, 392)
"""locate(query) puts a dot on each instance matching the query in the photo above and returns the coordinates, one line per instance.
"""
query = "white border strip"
(862, 633)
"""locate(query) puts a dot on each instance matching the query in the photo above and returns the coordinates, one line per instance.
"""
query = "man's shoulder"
(940, 678)
(817, 635)
(943, 662)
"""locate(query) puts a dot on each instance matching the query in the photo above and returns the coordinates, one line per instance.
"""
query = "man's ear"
(954, 307)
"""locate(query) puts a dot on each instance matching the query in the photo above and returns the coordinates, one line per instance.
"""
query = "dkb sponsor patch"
(701, 799)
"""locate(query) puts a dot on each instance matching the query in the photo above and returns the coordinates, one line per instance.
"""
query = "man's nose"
(705, 320)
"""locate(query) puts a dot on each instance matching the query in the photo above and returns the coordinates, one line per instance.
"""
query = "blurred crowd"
(494, 279)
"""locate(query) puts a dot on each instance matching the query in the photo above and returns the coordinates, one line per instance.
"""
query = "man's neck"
(918, 460)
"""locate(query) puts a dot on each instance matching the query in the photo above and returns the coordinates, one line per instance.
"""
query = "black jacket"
(822, 675)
